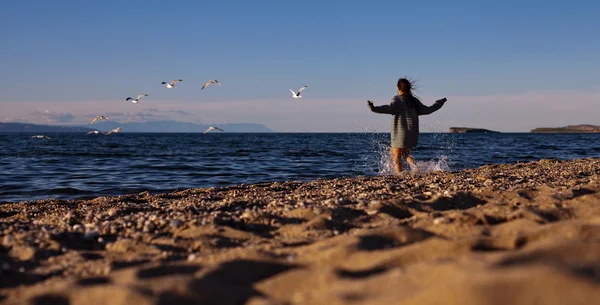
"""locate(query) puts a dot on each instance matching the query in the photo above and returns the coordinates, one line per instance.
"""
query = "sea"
(75, 165)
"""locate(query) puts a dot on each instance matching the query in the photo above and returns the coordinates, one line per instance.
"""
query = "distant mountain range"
(156, 126)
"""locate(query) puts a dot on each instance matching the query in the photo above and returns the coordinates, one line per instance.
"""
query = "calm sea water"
(73, 165)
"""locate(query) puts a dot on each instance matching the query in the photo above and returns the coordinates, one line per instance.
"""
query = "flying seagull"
(93, 132)
(212, 81)
(297, 95)
(40, 137)
(137, 99)
(172, 84)
(116, 130)
(212, 128)
(100, 117)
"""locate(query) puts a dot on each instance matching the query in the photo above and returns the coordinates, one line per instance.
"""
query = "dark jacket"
(405, 111)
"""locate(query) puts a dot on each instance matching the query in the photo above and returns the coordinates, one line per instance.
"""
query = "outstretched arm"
(386, 109)
(424, 110)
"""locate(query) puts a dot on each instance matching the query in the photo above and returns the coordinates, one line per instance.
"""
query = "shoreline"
(525, 227)
(87, 197)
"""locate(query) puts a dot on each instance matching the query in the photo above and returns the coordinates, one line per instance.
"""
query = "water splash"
(440, 165)
(386, 165)
(446, 143)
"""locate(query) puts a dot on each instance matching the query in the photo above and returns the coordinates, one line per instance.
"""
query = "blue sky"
(68, 57)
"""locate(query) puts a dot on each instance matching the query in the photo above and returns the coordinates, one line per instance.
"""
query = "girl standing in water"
(405, 110)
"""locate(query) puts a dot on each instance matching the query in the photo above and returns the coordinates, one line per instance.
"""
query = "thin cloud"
(135, 116)
(54, 117)
(148, 114)
(176, 111)
(14, 120)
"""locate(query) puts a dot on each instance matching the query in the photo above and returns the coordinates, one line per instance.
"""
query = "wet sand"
(526, 233)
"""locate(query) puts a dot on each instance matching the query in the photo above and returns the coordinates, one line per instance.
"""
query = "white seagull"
(41, 137)
(116, 130)
(297, 95)
(172, 84)
(93, 132)
(137, 99)
(212, 81)
(100, 117)
(212, 128)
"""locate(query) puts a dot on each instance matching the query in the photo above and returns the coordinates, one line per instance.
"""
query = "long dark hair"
(406, 86)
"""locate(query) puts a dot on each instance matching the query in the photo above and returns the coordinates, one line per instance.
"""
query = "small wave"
(76, 154)
(549, 147)
(171, 167)
(528, 157)
(9, 188)
(581, 152)
(66, 191)
(321, 153)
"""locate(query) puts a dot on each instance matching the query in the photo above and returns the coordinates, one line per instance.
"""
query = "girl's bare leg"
(397, 159)
(409, 159)
(413, 165)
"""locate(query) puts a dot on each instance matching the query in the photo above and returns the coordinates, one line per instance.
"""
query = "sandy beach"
(526, 233)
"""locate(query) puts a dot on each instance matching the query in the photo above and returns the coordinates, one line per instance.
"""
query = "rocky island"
(470, 130)
(584, 128)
